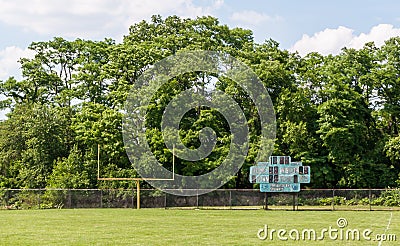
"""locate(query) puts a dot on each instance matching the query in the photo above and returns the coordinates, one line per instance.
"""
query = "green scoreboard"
(279, 174)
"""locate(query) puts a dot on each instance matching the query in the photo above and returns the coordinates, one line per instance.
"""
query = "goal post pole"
(137, 194)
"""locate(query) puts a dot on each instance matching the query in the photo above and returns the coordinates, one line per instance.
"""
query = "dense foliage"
(339, 114)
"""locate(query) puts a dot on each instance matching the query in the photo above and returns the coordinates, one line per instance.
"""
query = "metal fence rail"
(310, 199)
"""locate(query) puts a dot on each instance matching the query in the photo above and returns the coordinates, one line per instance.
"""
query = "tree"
(70, 172)
(32, 138)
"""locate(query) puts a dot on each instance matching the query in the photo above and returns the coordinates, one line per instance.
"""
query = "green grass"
(179, 227)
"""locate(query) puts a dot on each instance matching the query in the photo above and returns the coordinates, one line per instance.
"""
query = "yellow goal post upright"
(137, 180)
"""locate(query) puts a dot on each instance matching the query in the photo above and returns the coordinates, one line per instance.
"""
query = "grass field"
(183, 227)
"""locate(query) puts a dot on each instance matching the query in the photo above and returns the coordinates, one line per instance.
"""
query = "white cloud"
(92, 18)
(9, 57)
(331, 41)
(251, 17)
(379, 34)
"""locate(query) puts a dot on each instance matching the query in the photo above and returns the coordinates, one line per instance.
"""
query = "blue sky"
(303, 25)
(312, 16)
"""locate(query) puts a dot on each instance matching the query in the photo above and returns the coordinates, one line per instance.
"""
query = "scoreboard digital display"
(280, 174)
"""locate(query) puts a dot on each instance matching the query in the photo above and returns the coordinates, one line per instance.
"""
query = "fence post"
(230, 199)
(101, 198)
(38, 196)
(165, 200)
(370, 199)
(69, 199)
(7, 197)
(197, 199)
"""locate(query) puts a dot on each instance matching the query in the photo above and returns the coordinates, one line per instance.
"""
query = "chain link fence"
(310, 199)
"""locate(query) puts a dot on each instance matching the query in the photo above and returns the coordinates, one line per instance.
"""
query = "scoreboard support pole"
(294, 201)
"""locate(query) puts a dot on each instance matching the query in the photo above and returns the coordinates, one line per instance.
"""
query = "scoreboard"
(279, 174)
